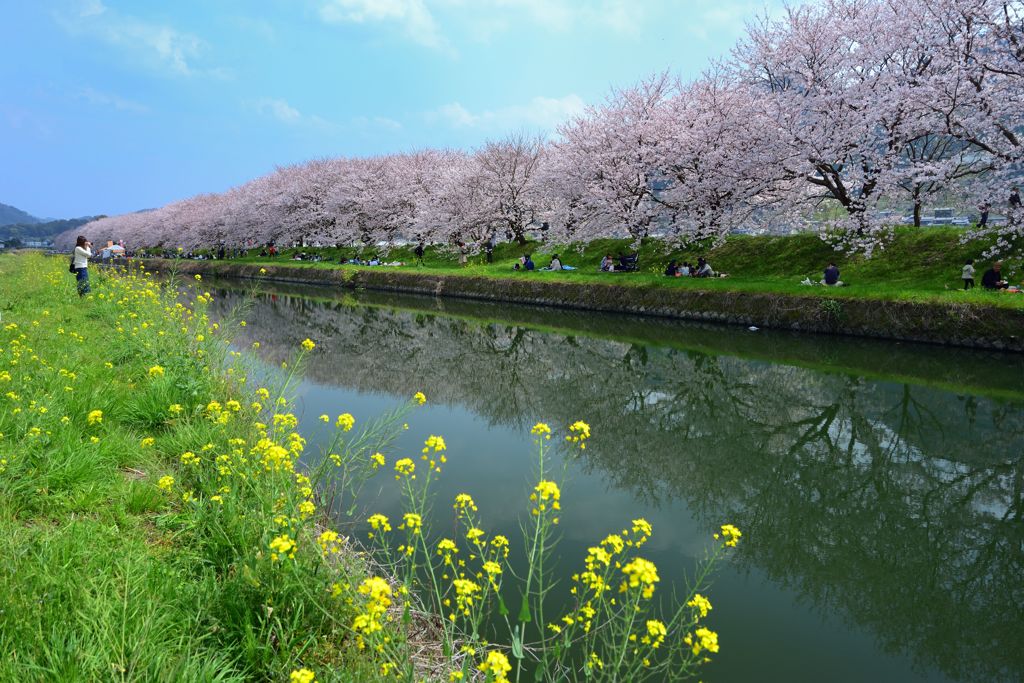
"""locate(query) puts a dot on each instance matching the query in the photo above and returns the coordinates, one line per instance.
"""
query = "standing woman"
(83, 252)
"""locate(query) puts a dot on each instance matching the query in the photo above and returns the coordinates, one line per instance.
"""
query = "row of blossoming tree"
(826, 116)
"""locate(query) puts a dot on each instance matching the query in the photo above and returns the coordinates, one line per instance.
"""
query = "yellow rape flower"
(464, 502)
(731, 534)
(640, 573)
(308, 344)
(282, 545)
(377, 460)
(419, 397)
(329, 542)
(345, 422)
(412, 522)
(496, 666)
(541, 429)
(156, 371)
(95, 417)
(701, 604)
(656, 633)
(404, 466)
(579, 433)
(300, 675)
(435, 443)
(147, 442)
(165, 482)
(379, 522)
(702, 639)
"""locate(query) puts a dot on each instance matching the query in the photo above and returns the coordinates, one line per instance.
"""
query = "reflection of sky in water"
(860, 499)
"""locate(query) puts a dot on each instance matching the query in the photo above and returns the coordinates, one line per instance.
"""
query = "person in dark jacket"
(831, 275)
(993, 277)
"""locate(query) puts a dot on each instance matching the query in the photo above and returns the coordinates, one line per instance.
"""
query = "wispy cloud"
(544, 113)
(427, 22)
(276, 108)
(101, 99)
(412, 17)
(158, 46)
(281, 110)
(726, 19)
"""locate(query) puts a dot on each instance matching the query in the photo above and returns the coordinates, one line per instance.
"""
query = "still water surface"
(879, 486)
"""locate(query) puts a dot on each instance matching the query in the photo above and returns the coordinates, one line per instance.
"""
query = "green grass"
(919, 265)
(104, 575)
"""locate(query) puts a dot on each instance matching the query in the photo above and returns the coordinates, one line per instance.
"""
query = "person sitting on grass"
(525, 263)
(704, 268)
(556, 263)
(993, 278)
(672, 269)
(831, 278)
(607, 263)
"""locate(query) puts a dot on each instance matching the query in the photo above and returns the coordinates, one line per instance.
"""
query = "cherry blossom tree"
(834, 115)
(611, 154)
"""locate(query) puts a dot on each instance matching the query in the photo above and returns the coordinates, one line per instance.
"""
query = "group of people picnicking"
(686, 269)
(991, 279)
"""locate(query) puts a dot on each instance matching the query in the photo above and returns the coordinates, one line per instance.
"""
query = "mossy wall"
(942, 323)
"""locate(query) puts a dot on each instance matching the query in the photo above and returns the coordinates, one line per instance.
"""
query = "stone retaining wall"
(942, 323)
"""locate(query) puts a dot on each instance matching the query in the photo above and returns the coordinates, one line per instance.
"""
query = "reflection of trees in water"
(901, 505)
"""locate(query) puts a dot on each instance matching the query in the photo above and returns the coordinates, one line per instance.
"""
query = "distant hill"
(10, 215)
(41, 231)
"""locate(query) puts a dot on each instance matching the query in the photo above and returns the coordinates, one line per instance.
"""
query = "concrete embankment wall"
(942, 323)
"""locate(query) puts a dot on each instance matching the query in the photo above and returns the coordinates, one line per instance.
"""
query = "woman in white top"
(83, 252)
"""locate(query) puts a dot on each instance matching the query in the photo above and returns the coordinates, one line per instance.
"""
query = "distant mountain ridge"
(10, 215)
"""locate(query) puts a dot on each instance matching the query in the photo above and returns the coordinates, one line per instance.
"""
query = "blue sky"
(109, 106)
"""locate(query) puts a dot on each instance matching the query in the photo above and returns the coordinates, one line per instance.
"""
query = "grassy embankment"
(138, 500)
(159, 521)
(920, 265)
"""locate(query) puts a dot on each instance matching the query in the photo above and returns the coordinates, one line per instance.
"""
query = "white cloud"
(421, 20)
(380, 122)
(284, 112)
(159, 46)
(544, 113)
(726, 19)
(277, 108)
(412, 16)
(102, 99)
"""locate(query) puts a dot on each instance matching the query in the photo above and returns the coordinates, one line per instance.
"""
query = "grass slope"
(919, 265)
(122, 557)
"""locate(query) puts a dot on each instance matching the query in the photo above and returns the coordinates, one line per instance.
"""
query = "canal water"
(879, 486)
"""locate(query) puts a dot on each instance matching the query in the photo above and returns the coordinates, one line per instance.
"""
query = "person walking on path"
(83, 252)
(983, 221)
(968, 274)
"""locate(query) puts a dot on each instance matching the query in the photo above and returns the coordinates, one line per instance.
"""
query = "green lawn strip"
(921, 265)
(103, 575)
